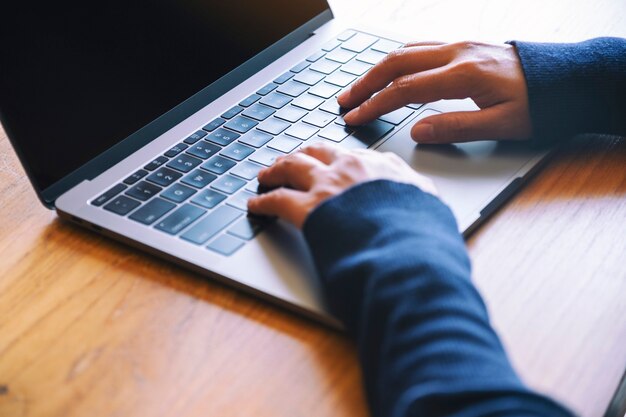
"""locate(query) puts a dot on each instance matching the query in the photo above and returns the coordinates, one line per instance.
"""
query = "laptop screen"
(78, 77)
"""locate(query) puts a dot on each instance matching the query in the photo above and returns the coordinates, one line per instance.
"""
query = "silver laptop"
(149, 124)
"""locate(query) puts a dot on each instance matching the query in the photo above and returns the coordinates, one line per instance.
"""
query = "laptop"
(149, 122)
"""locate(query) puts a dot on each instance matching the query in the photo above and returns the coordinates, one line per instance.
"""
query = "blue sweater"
(397, 274)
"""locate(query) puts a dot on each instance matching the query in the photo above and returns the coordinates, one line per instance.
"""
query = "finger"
(293, 171)
(489, 123)
(423, 43)
(323, 152)
(283, 202)
(424, 87)
(396, 64)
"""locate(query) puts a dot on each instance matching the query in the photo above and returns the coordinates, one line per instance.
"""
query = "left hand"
(319, 172)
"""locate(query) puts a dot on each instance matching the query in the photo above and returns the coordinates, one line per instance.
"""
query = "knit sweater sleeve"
(396, 272)
(575, 87)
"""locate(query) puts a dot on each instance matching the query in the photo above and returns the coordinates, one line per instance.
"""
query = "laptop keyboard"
(198, 189)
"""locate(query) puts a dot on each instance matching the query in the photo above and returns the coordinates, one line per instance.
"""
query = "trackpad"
(467, 175)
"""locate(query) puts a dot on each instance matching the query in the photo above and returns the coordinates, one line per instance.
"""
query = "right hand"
(424, 72)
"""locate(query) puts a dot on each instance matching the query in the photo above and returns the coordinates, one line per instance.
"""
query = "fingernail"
(349, 116)
(423, 132)
(343, 96)
(252, 202)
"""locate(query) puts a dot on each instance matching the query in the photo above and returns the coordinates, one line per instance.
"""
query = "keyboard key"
(356, 68)
(152, 211)
(246, 170)
(293, 88)
(316, 56)
(284, 144)
(179, 219)
(340, 55)
(273, 126)
(211, 225)
(237, 151)
(324, 90)
(301, 131)
(276, 100)
(133, 178)
(204, 150)
(319, 118)
(214, 124)
(232, 112)
(331, 106)
(103, 198)
(267, 89)
(198, 178)
(225, 245)
(309, 77)
(247, 228)
(122, 205)
(346, 35)
(228, 184)
(240, 200)
(143, 191)
(253, 186)
(335, 132)
(194, 137)
(308, 101)
(265, 156)
(241, 124)
(386, 46)
(359, 42)
(259, 112)
(208, 198)
(371, 132)
(164, 176)
(415, 106)
(175, 150)
(281, 79)
(340, 78)
(330, 45)
(397, 116)
(178, 193)
(371, 57)
(325, 66)
(250, 100)
(301, 66)
(291, 114)
(218, 165)
(255, 138)
(156, 163)
(222, 136)
(184, 163)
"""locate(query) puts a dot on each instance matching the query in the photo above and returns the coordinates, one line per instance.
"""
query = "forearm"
(575, 87)
(397, 274)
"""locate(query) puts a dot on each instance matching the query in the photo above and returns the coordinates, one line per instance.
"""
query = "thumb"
(465, 126)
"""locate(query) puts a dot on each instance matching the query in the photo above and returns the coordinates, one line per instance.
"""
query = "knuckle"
(278, 195)
(402, 87)
(466, 45)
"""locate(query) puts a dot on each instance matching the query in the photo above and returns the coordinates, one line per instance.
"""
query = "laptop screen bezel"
(176, 115)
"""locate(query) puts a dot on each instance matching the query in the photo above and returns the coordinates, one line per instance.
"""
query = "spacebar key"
(211, 225)
(370, 133)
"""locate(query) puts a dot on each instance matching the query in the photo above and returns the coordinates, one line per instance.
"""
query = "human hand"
(319, 172)
(424, 72)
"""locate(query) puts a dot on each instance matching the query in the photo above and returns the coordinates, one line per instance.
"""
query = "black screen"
(78, 77)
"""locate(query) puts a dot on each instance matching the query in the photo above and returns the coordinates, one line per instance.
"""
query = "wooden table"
(89, 327)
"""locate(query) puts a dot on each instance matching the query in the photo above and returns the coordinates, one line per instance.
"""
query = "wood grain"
(91, 327)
